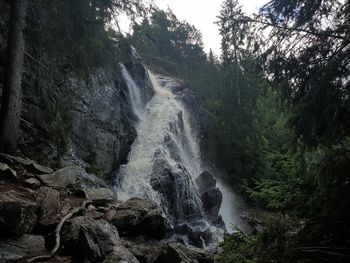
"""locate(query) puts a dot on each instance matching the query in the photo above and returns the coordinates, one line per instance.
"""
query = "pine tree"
(10, 113)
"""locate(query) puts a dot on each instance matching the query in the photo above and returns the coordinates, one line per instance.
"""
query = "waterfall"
(165, 159)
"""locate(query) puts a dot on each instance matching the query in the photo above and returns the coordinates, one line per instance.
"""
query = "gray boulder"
(18, 215)
(100, 196)
(24, 247)
(211, 197)
(146, 251)
(174, 184)
(205, 181)
(140, 217)
(211, 200)
(178, 253)
(199, 235)
(48, 200)
(120, 255)
(70, 234)
(98, 239)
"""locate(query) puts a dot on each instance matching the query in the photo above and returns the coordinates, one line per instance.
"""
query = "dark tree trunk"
(10, 112)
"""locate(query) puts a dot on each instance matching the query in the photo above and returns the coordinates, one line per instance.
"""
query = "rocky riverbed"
(69, 216)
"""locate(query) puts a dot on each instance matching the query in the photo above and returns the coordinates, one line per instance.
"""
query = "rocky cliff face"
(90, 119)
(98, 119)
(67, 216)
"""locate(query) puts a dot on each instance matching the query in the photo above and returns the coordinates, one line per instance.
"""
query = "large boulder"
(178, 253)
(140, 217)
(212, 200)
(175, 185)
(211, 197)
(146, 251)
(98, 239)
(18, 214)
(205, 181)
(70, 233)
(120, 255)
(198, 235)
(23, 247)
(48, 200)
(100, 196)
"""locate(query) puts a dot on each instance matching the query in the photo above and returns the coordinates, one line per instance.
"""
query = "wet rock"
(140, 217)
(140, 75)
(211, 200)
(205, 181)
(97, 239)
(177, 88)
(120, 255)
(100, 196)
(211, 197)
(146, 251)
(251, 224)
(25, 246)
(199, 236)
(17, 214)
(174, 184)
(70, 234)
(178, 253)
(48, 200)
(102, 131)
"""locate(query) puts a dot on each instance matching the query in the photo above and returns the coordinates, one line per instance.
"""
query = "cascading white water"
(134, 92)
(164, 139)
(157, 125)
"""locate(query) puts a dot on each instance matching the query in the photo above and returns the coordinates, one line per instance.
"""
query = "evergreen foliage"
(279, 95)
(280, 98)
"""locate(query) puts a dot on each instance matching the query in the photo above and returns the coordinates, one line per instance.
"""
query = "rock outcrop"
(92, 225)
(98, 239)
(86, 122)
(178, 253)
(48, 201)
(172, 183)
(140, 217)
(211, 197)
(18, 214)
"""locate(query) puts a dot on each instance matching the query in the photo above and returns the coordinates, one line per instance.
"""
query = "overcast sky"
(202, 14)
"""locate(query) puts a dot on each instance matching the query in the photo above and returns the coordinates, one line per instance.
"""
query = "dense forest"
(279, 95)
